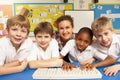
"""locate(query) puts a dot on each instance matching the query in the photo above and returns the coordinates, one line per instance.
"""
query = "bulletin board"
(112, 11)
(43, 11)
(5, 9)
(82, 18)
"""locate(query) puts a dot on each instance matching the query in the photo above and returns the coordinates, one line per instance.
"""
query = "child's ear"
(7, 30)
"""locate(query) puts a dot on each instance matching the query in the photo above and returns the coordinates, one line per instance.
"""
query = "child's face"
(65, 30)
(83, 40)
(104, 37)
(43, 40)
(17, 34)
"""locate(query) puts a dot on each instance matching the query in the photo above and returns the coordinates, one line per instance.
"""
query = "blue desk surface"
(27, 75)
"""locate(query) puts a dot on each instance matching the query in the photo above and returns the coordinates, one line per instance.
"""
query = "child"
(81, 51)
(107, 42)
(14, 48)
(45, 51)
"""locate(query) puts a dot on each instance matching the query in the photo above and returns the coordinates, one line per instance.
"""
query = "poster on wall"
(112, 11)
(39, 12)
(6, 11)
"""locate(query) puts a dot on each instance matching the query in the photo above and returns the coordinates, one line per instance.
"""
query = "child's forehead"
(43, 33)
(104, 31)
(18, 26)
(83, 34)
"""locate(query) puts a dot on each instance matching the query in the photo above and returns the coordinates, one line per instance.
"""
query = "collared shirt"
(113, 50)
(8, 52)
(76, 55)
(51, 51)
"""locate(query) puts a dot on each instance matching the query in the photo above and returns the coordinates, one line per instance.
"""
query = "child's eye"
(14, 29)
(61, 28)
(86, 41)
(99, 35)
(46, 36)
(39, 36)
(24, 31)
(106, 33)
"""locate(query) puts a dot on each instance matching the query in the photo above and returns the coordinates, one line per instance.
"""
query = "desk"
(27, 75)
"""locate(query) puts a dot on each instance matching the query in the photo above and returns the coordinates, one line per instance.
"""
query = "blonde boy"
(107, 42)
(16, 46)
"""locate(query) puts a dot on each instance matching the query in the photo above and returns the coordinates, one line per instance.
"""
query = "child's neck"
(16, 46)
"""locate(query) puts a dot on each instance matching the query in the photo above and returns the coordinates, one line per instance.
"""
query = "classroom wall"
(78, 4)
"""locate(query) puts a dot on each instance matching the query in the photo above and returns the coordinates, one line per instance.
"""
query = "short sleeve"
(69, 45)
(100, 56)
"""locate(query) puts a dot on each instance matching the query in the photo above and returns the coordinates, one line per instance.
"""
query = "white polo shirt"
(51, 51)
(8, 53)
(76, 55)
(113, 51)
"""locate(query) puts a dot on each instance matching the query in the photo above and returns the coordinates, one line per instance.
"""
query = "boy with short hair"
(107, 42)
(14, 48)
(45, 52)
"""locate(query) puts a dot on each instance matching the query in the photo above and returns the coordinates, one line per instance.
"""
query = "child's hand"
(23, 65)
(67, 66)
(87, 66)
(112, 70)
(89, 61)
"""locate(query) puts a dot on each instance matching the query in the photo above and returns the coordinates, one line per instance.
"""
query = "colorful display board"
(43, 11)
(112, 11)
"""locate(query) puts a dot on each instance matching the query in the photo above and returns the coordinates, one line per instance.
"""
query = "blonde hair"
(18, 20)
(100, 24)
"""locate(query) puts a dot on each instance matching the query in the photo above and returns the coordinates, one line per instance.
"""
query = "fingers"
(68, 66)
(109, 72)
(87, 66)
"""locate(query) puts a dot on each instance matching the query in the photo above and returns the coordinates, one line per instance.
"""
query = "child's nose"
(81, 43)
(19, 33)
(43, 39)
(103, 37)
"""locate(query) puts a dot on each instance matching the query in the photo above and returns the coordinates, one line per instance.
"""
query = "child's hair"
(43, 27)
(101, 24)
(18, 20)
(62, 18)
(85, 30)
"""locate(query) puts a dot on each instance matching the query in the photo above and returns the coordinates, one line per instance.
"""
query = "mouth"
(79, 48)
(17, 39)
(105, 42)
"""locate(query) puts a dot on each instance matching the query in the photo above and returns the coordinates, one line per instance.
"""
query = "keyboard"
(58, 73)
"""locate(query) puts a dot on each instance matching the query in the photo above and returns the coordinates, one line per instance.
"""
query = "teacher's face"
(65, 30)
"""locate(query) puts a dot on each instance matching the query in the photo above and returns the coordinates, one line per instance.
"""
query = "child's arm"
(108, 60)
(89, 61)
(56, 62)
(13, 69)
(15, 63)
(112, 70)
